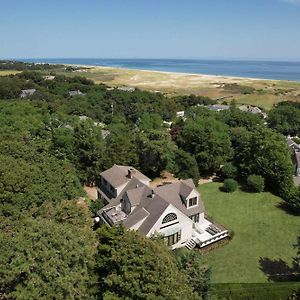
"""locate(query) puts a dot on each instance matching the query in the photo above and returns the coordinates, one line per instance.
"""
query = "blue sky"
(217, 29)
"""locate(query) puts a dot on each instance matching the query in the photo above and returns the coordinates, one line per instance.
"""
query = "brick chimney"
(131, 172)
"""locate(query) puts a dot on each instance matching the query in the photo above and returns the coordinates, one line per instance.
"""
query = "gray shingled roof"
(149, 203)
(171, 194)
(186, 187)
(155, 206)
(136, 195)
(75, 93)
(27, 93)
(297, 157)
(136, 216)
(117, 175)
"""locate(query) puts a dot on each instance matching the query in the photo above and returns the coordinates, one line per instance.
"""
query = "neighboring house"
(27, 93)
(126, 89)
(180, 114)
(174, 210)
(297, 161)
(253, 109)
(75, 93)
(105, 133)
(48, 77)
(295, 150)
(217, 107)
(167, 124)
(83, 118)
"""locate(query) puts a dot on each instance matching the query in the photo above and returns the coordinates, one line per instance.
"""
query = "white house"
(27, 93)
(76, 93)
(180, 114)
(48, 77)
(174, 211)
(295, 150)
(218, 107)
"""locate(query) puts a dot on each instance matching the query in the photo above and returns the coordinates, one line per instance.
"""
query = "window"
(195, 218)
(173, 239)
(192, 201)
(169, 218)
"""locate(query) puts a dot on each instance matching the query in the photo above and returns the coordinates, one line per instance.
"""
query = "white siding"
(193, 194)
(201, 218)
(185, 224)
(120, 188)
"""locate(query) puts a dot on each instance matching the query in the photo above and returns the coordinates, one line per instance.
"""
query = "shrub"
(230, 185)
(96, 205)
(228, 171)
(255, 183)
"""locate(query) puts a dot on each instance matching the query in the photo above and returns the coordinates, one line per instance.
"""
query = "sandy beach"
(260, 92)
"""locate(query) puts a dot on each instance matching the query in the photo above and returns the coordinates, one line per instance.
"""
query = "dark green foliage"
(191, 263)
(131, 266)
(209, 141)
(265, 152)
(44, 259)
(230, 185)
(120, 144)
(29, 179)
(72, 212)
(228, 171)
(22, 66)
(285, 118)
(234, 117)
(150, 122)
(186, 166)
(156, 152)
(255, 183)
(24, 119)
(89, 151)
(96, 205)
(187, 101)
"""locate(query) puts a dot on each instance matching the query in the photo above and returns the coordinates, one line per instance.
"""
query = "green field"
(8, 72)
(261, 230)
(264, 235)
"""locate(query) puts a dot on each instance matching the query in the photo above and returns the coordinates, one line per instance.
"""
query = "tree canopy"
(131, 266)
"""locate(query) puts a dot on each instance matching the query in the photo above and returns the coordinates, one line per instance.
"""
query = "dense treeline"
(73, 128)
(23, 66)
(51, 143)
(285, 118)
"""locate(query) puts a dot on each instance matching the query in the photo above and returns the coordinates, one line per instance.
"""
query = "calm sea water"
(256, 69)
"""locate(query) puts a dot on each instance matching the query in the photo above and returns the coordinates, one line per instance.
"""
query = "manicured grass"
(262, 231)
(254, 291)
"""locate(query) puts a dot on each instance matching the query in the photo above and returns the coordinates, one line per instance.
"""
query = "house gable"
(182, 223)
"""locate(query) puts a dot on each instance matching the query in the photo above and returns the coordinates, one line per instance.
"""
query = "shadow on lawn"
(278, 270)
(288, 209)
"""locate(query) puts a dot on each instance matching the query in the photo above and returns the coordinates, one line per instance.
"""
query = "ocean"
(255, 69)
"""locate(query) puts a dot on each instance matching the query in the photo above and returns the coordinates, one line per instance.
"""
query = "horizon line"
(296, 60)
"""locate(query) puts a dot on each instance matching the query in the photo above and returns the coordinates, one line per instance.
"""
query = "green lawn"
(261, 230)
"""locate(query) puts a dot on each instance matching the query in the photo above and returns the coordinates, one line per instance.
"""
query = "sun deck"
(208, 232)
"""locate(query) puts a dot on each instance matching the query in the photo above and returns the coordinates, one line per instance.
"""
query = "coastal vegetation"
(262, 93)
(58, 133)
